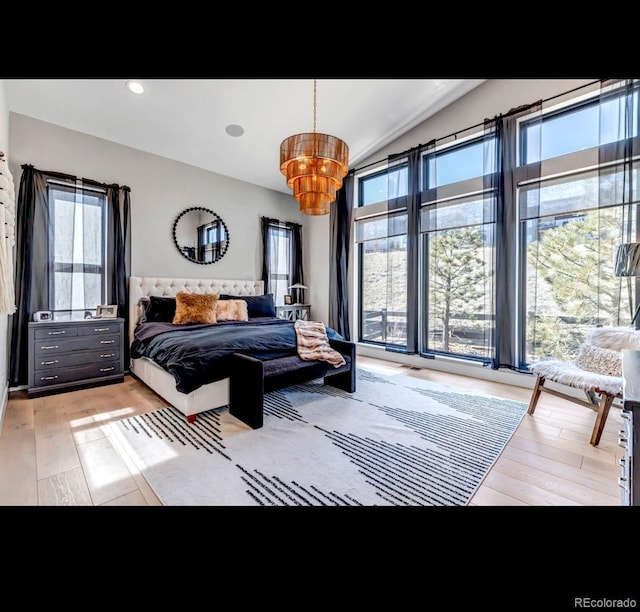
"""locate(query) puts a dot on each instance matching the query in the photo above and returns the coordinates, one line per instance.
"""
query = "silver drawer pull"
(107, 369)
(622, 441)
(48, 377)
(49, 362)
(100, 329)
(108, 355)
(622, 461)
(57, 333)
(55, 346)
(621, 482)
(107, 341)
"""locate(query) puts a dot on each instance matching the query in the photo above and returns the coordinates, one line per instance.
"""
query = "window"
(382, 244)
(282, 264)
(382, 255)
(77, 248)
(457, 228)
(454, 278)
(571, 219)
(515, 227)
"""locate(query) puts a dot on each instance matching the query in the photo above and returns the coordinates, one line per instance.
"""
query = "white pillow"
(614, 338)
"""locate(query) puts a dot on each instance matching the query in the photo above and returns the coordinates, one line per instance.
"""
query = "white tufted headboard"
(144, 286)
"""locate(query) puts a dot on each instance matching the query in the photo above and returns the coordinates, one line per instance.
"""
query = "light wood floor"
(54, 450)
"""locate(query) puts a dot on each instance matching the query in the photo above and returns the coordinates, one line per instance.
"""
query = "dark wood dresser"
(629, 479)
(74, 354)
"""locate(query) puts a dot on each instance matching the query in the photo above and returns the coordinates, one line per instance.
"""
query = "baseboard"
(451, 365)
(4, 398)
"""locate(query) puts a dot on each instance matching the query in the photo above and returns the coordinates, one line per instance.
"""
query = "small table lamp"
(627, 263)
(299, 295)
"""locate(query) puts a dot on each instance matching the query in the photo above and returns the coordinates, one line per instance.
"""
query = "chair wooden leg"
(603, 411)
(535, 396)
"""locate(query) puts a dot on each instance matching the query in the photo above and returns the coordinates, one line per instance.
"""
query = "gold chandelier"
(314, 165)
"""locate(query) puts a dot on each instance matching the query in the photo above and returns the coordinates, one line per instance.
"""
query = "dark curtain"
(616, 183)
(281, 257)
(297, 273)
(501, 158)
(267, 248)
(77, 249)
(119, 252)
(32, 265)
(340, 240)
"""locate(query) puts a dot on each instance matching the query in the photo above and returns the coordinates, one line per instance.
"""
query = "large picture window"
(516, 226)
(572, 217)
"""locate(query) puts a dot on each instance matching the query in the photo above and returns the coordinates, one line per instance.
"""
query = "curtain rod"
(282, 224)
(62, 176)
(71, 183)
(477, 125)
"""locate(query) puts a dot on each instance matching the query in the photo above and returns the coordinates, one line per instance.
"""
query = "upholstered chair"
(597, 370)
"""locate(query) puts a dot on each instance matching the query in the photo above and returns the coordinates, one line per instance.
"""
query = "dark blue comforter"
(199, 354)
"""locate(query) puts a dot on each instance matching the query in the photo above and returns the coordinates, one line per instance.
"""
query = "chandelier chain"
(315, 87)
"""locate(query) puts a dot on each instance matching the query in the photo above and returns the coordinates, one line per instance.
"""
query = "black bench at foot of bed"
(251, 378)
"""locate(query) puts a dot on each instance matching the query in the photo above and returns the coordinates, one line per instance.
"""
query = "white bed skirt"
(207, 397)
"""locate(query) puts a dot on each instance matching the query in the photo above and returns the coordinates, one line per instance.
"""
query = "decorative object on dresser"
(201, 235)
(43, 315)
(106, 311)
(74, 354)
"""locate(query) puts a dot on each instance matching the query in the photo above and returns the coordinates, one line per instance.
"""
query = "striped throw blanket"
(313, 343)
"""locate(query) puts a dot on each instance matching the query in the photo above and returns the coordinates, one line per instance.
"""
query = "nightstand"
(74, 354)
(293, 312)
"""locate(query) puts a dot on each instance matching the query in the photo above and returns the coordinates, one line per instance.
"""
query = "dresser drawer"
(55, 332)
(81, 343)
(47, 362)
(43, 378)
(99, 329)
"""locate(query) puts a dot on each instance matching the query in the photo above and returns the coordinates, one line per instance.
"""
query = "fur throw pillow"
(614, 338)
(195, 308)
(599, 360)
(232, 310)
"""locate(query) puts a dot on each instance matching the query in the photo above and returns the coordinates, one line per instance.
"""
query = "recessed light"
(135, 87)
(234, 130)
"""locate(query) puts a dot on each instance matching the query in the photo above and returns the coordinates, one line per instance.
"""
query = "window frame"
(71, 192)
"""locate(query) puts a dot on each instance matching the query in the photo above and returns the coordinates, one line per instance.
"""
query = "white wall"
(4, 319)
(487, 100)
(160, 190)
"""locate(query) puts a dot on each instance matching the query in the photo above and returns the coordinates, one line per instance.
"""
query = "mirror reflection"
(201, 235)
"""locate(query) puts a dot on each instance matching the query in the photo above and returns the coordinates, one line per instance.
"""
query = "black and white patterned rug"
(396, 441)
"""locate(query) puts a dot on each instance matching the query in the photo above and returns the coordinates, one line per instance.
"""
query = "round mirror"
(201, 235)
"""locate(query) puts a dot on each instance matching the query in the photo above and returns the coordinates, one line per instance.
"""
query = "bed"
(191, 366)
